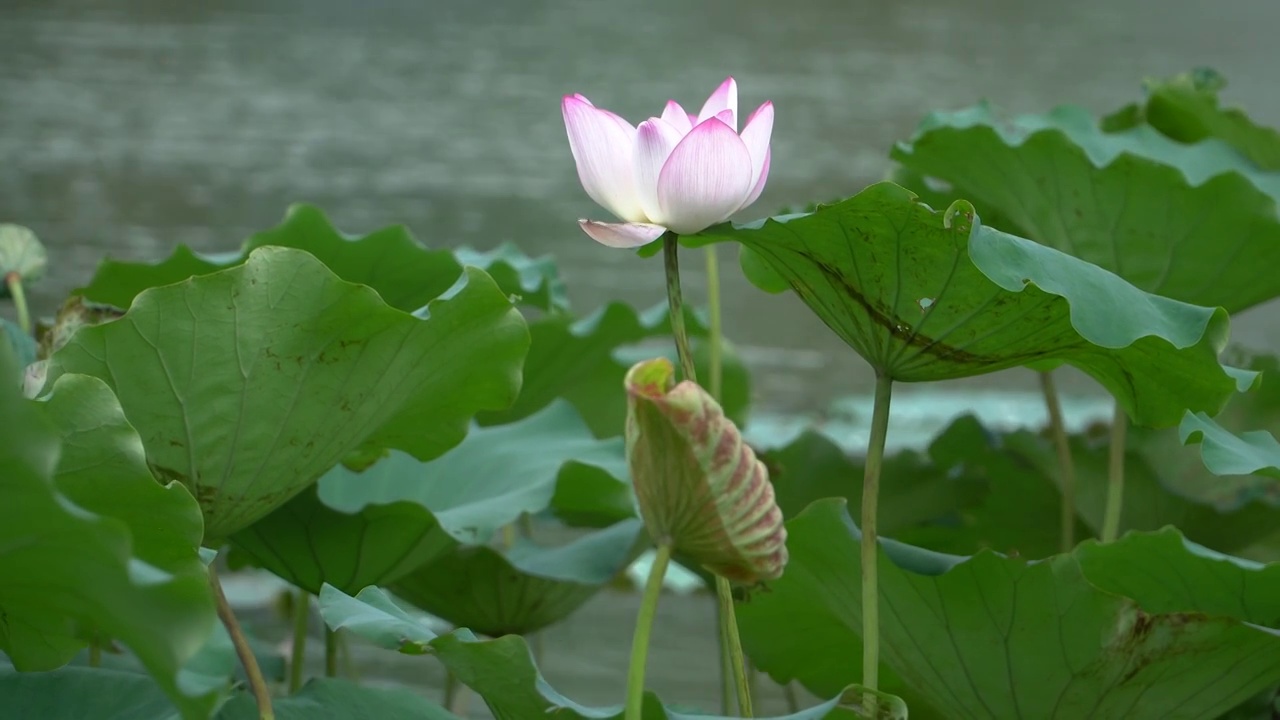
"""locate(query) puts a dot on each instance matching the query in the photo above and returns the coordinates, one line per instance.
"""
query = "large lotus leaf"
(502, 670)
(406, 274)
(1195, 223)
(76, 693)
(373, 527)
(924, 295)
(103, 469)
(63, 567)
(1185, 107)
(525, 589)
(988, 636)
(250, 383)
(584, 361)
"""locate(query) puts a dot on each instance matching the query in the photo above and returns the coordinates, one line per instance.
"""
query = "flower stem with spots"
(257, 683)
(14, 282)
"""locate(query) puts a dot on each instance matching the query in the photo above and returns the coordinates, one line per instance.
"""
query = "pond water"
(129, 127)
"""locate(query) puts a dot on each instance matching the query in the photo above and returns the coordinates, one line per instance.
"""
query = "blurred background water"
(129, 127)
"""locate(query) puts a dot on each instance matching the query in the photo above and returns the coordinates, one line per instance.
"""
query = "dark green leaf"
(1193, 223)
(63, 568)
(250, 383)
(923, 296)
(988, 636)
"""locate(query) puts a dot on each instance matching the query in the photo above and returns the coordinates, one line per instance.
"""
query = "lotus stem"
(715, 381)
(1066, 467)
(733, 643)
(644, 626)
(728, 621)
(727, 684)
(870, 540)
(257, 684)
(14, 281)
(1115, 476)
(330, 652)
(298, 656)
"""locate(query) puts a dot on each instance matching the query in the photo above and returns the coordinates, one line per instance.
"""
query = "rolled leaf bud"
(700, 488)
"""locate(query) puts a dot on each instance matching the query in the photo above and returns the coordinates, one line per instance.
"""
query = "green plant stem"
(728, 620)
(716, 379)
(1066, 466)
(870, 540)
(298, 657)
(733, 643)
(14, 281)
(451, 686)
(257, 684)
(1115, 476)
(644, 626)
(726, 670)
(330, 652)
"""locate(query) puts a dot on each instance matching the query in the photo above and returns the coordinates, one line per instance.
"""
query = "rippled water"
(130, 126)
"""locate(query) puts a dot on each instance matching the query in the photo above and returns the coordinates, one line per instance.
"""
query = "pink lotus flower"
(677, 172)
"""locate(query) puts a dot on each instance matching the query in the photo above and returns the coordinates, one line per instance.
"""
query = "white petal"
(622, 235)
(601, 143)
(724, 98)
(677, 118)
(756, 135)
(705, 180)
(759, 187)
(655, 139)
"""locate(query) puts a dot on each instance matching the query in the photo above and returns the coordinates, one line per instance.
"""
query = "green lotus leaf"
(1195, 223)
(1253, 452)
(1020, 513)
(1102, 633)
(502, 670)
(64, 568)
(76, 693)
(22, 344)
(535, 280)
(21, 253)
(249, 384)
(524, 589)
(1185, 107)
(1182, 469)
(103, 469)
(391, 261)
(923, 296)
(376, 526)
(584, 361)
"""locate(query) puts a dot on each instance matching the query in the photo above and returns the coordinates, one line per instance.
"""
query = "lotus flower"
(700, 488)
(676, 172)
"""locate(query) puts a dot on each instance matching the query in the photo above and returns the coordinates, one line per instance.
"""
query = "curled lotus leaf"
(700, 488)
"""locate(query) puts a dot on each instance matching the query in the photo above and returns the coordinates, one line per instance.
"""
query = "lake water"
(131, 126)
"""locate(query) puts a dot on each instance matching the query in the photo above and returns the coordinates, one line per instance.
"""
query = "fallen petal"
(622, 235)
(601, 143)
(706, 178)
